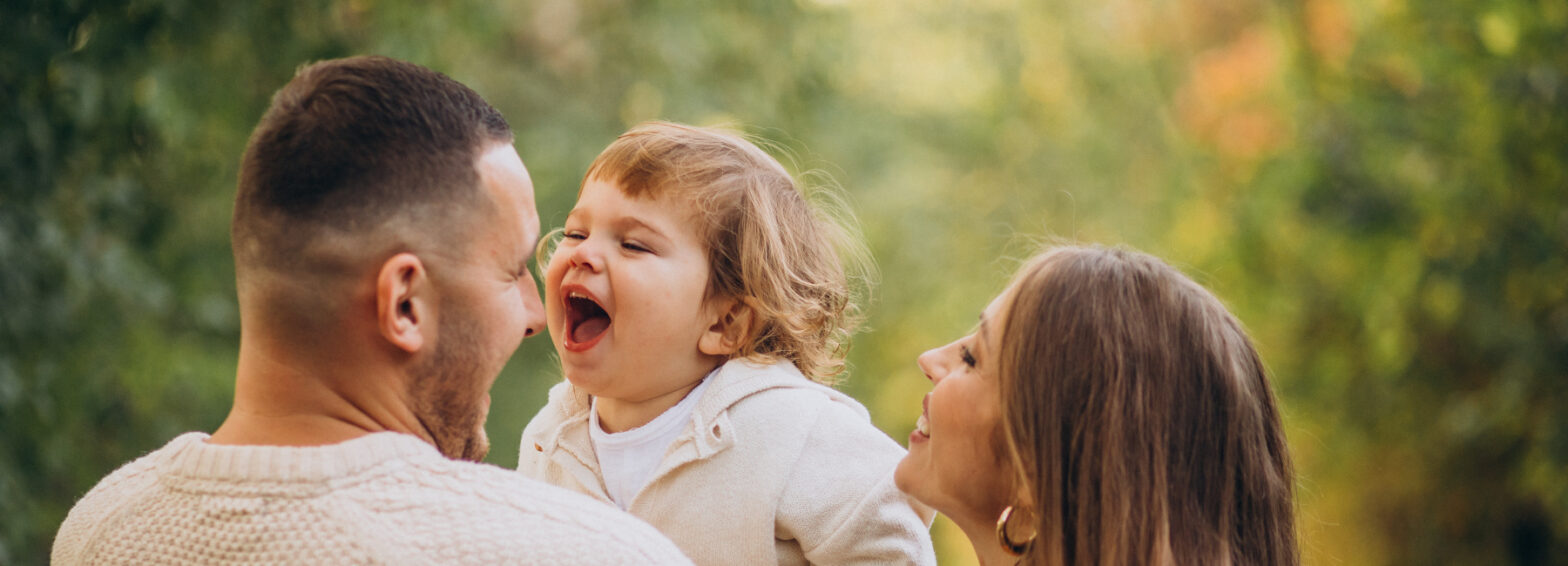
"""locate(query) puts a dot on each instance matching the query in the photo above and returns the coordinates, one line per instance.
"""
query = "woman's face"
(957, 462)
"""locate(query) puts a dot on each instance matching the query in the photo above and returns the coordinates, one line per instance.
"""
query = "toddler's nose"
(584, 255)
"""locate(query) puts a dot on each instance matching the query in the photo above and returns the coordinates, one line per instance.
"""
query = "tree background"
(1378, 189)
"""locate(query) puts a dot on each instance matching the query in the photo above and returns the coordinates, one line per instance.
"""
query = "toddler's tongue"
(590, 328)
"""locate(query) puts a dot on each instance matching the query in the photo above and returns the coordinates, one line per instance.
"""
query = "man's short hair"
(350, 144)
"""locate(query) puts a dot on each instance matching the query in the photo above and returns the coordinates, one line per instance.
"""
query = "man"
(382, 229)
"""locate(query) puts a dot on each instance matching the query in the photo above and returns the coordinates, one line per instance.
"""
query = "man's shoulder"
(133, 476)
(501, 488)
(119, 490)
(135, 472)
(388, 497)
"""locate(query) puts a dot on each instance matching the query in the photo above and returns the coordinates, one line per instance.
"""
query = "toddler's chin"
(582, 384)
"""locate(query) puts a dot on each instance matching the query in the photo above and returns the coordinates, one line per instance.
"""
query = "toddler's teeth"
(921, 425)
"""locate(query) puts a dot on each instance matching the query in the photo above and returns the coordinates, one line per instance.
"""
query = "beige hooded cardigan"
(772, 469)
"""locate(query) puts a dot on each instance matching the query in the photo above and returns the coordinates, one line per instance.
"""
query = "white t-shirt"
(628, 459)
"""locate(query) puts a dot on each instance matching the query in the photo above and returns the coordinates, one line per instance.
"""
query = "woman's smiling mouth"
(923, 424)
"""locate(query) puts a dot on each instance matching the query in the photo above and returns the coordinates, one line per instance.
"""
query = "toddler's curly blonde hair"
(767, 246)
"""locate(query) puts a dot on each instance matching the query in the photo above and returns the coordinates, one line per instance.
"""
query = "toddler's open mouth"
(586, 321)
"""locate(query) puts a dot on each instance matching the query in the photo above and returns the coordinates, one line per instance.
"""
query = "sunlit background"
(1378, 188)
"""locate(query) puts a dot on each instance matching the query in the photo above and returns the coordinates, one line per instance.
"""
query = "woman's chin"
(907, 479)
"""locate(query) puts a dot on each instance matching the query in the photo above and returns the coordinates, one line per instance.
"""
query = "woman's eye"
(966, 356)
(576, 236)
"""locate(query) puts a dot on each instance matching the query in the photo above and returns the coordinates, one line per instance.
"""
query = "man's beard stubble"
(446, 395)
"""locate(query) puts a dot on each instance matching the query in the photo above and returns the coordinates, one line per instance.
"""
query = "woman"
(1107, 410)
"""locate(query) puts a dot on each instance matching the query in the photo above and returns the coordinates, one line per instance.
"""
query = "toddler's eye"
(633, 247)
(576, 236)
(966, 356)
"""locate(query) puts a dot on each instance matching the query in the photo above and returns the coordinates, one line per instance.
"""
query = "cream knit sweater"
(384, 498)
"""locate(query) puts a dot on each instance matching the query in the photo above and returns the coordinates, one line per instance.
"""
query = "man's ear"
(731, 327)
(403, 305)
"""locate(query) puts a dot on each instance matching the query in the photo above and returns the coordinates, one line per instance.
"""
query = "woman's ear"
(730, 329)
(403, 311)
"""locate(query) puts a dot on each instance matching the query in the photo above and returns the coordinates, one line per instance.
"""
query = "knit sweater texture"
(772, 469)
(384, 498)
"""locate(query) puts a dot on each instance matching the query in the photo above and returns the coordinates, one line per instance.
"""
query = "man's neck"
(245, 428)
(289, 401)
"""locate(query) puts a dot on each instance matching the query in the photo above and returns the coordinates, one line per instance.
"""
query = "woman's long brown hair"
(1140, 418)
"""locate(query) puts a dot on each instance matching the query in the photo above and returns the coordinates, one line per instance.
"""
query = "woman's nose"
(930, 364)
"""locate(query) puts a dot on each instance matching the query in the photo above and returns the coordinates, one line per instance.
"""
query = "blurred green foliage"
(1379, 189)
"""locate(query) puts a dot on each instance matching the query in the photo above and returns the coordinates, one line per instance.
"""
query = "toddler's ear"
(730, 329)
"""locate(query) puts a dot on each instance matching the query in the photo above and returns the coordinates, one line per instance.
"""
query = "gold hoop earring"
(1012, 548)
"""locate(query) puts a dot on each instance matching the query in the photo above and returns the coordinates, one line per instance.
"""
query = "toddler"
(696, 301)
